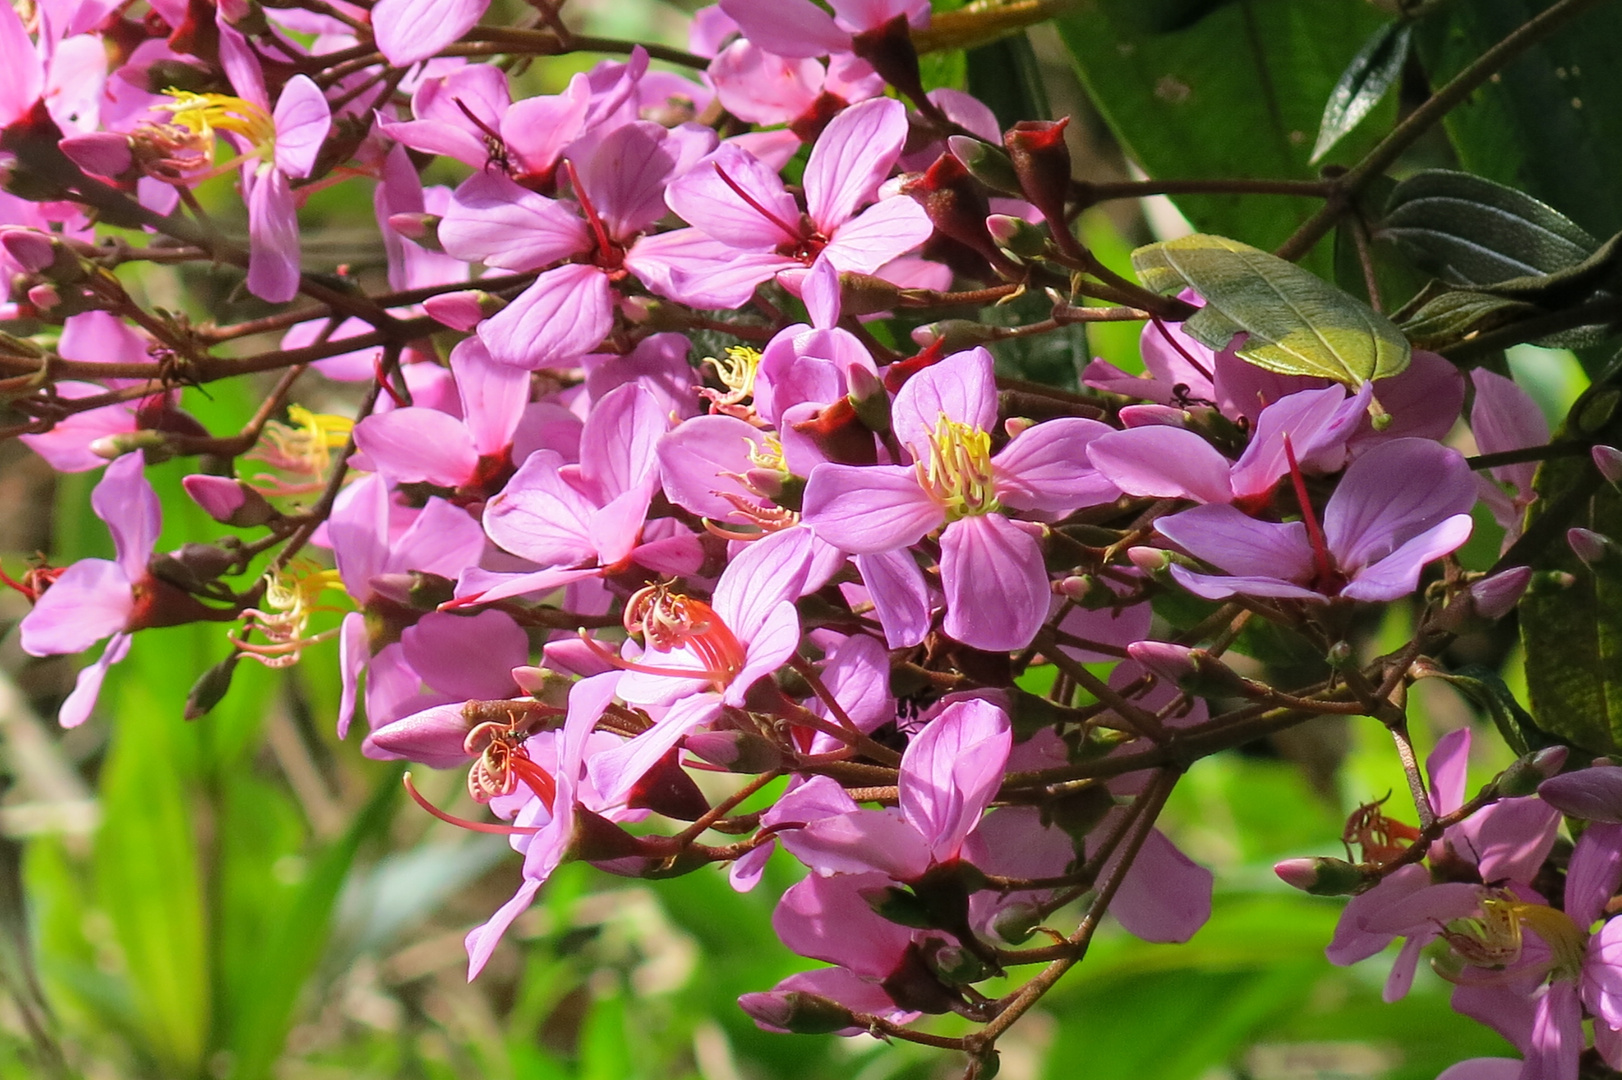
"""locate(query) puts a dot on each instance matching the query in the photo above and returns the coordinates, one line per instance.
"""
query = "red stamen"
(537, 779)
(1165, 333)
(383, 381)
(737, 189)
(603, 245)
(1315, 534)
(7, 579)
(464, 823)
(719, 678)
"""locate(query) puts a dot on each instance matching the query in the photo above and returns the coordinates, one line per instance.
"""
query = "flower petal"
(997, 593)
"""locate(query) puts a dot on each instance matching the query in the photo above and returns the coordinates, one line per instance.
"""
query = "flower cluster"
(585, 561)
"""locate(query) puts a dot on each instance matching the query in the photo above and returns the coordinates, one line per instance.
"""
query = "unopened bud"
(1595, 409)
(1042, 161)
(47, 300)
(898, 905)
(1526, 774)
(1593, 794)
(30, 249)
(796, 1012)
(1340, 654)
(869, 398)
(1550, 581)
(954, 335)
(192, 566)
(1150, 560)
(105, 153)
(957, 966)
(1017, 236)
(1487, 600)
(210, 687)
(418, 227)
(415, 589)
(889, 49)
(1589, 546)
(462, 310)
(735, 751)
(1195, 671)
(228, 501)
(667, 789)
(957, 207)
(1017, 921)
(1608, 460)
(1321, 876)
(155, 444)
(986, 163)
(864, 294)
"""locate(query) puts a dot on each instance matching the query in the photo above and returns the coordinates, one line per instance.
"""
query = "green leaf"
(1445, 317)
(1200, 91)
(1007, 77)
(293, 946)
(1487, 689)
(148, 879)
(1476, 232)
(1573, 636)
(1298, 323)
(1372, 72)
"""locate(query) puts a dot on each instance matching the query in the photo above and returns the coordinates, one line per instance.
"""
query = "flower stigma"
(957, 472)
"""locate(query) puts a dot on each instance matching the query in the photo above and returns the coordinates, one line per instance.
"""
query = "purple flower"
(997, 593)
(1396, 508)
(95, 598)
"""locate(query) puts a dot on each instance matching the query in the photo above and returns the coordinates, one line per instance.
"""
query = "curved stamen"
(604, 246)
(1321, 557)
(464, 823)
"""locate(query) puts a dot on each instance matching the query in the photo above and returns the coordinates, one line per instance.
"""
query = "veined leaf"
(1372, 72)
(1297, 323)
(1448, 316)
(1477, 232)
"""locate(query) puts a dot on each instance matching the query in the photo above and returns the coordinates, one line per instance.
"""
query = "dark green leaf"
(1372, 72)
(1492, 695)
(1573, 636)
(1236, 93)
(1476, 232)
(1449, 316)
(1007, 76)
(1298, 323)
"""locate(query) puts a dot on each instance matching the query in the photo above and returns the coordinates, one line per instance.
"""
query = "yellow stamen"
(292, 595)
(737, 374)
(955, 469)
(205, 114)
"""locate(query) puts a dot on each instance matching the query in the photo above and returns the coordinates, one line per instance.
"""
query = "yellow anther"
(303, 447)
(1494, 939)
(737, 373)
(292, 595)
(955, 469)
(208, 113)
(767, 454)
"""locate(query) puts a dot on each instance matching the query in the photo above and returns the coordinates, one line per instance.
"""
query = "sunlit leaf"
(1372, 72)
(1297, 323)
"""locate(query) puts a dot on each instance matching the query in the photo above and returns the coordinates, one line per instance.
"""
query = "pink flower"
(997, 593)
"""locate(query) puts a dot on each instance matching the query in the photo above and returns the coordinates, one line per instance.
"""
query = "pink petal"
(820, 291)
(539, 517)
(411, 30)
(1397, 574)
(126, 502)
(771, 645)
(951, 771)
(960, 388)
(617, 447)
(1224, 537)
(1446, 768)
(708, 202)
(869, 509)
(493, 396)
(851, 158)
(1391, 494)
(442, 540)
(494, 221)
(90, 601)
(695, 456)
(22, 76)
(764, 87)
(565, 314)
(900, 596)
(884, 231)
(1046, 468)
(466, 656)
(997, 593)
(76, 709)
(1164, 896)
(416, 445)
(766, 573)
(615, 772)
(792, 28)
(626, 175)
(273, 238)
(303, 119)
(1163, 463)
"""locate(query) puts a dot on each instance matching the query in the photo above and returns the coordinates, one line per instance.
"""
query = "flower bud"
(953, 335)
(864, 294)
(1589, 546)
(155, 444)
(1608, 460)
(900, 906)
(888, 48)
(1193, 670)
(192, 566)
(436, 737)
(986, 163)
(796, 1012)
(105, 153)
(1526, 774)
(30, 249)
(419, 227)
(1150, 560)
(1042, 161)
(735, 751)
(1340, 654)
(462, 310)
(1015, 922)
(416, 589)
(228, 501)
(1593, 794)
(1487, 599)
(1017, 236)
(667, 789)
(869, 398)
(210, 687)
(957, 966)
(957, 207)
(1321, 876)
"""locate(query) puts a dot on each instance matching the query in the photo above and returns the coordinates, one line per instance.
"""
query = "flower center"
(668, 621)
(205, 114)
(1494, 939)
(956, 469)
(736, 371)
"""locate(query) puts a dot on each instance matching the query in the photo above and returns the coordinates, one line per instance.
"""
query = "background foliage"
(246, 897)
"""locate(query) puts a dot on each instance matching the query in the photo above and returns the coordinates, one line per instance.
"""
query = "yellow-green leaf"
(1298, 324)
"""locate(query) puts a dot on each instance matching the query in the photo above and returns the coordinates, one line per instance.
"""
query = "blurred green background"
(246, 897)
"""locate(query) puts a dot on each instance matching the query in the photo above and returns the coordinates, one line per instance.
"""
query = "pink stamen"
(464, 823)
(737, 188)
(1315, 534)
(1173, 342)
(603, 244)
